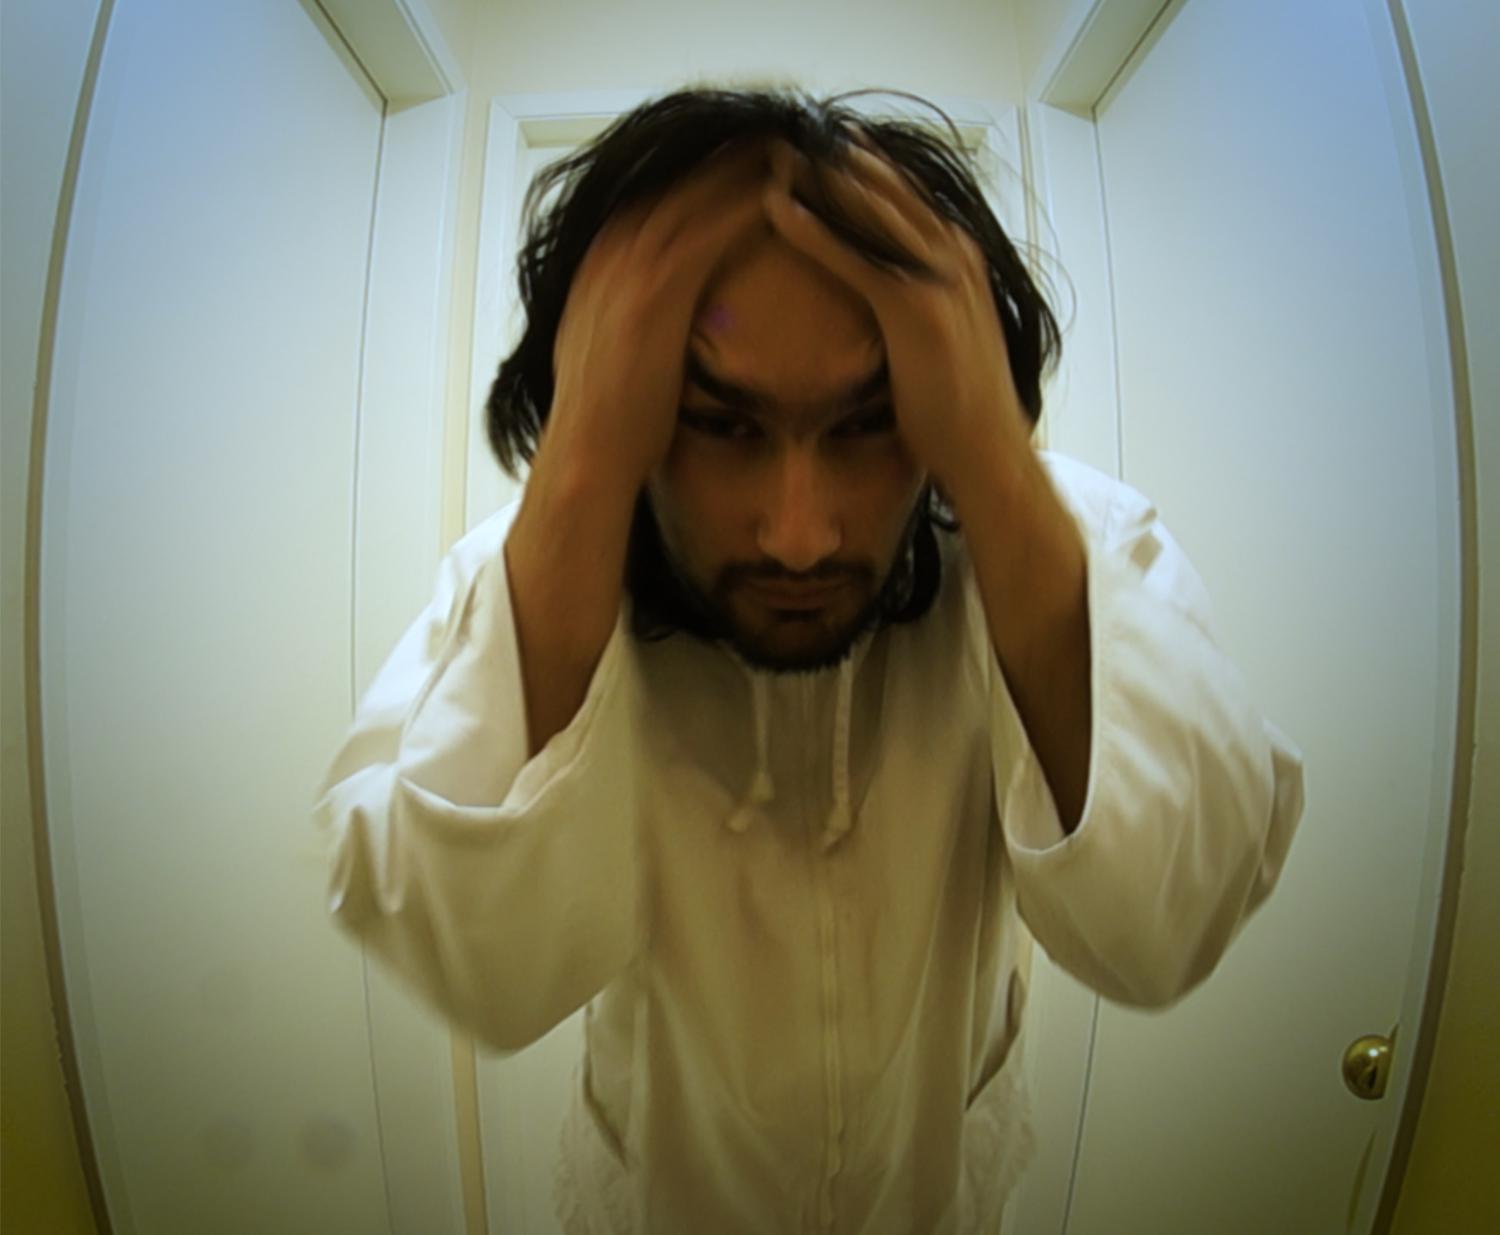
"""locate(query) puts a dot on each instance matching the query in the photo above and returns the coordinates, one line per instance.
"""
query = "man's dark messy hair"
(641, 156)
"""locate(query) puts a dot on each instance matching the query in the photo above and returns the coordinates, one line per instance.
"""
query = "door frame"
(1083, 64)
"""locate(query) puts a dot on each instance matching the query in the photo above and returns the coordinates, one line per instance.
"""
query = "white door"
(1283, 397)
(197, 657)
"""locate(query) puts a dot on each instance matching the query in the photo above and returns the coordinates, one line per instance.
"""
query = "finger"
(803, 229)
(705, 242)
(791, 170)
(852, 191)
(672, 242)
(726, 176)
(806, 232)
(893, 187)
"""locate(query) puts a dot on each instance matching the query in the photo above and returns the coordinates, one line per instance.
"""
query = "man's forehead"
(745, 394)
(717, 316)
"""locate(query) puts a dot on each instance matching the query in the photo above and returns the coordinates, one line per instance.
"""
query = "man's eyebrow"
(749, 399)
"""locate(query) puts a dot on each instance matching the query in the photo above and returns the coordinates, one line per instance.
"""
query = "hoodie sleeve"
(503, 891)
(1193, 797)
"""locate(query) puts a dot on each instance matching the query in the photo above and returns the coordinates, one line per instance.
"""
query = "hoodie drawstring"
(762, 787)
(842, 817)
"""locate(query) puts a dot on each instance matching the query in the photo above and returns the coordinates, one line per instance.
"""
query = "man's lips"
(804, 597)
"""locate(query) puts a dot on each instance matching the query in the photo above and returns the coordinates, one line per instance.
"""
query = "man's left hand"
(958, 413)
(950, 371)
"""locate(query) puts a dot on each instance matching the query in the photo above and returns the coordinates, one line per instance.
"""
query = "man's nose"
(799, 525)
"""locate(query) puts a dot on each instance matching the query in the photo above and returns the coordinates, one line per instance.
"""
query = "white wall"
(44, 48)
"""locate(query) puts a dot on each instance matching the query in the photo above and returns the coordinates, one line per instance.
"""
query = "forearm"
(565, 558)
(1031, 568)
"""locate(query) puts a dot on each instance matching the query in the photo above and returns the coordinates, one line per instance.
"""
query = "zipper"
(828, 957)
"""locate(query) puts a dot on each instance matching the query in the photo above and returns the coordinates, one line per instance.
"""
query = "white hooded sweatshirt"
(793, 905)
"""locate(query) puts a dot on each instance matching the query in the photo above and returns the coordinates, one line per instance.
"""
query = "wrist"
(1025, 543)
(575, 485)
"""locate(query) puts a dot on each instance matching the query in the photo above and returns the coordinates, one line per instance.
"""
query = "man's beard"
(673, 600)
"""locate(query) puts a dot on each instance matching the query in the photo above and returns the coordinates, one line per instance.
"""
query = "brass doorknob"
(1367, 1065)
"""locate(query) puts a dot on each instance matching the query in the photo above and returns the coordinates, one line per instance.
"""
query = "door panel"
(196, 617)
(1283, 400)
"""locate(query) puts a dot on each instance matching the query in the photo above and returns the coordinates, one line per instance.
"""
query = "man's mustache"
(771, 572)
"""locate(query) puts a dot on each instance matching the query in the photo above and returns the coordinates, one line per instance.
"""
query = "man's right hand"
(618, 357)
(618, 363)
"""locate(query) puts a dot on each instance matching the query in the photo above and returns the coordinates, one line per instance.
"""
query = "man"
(796, 682)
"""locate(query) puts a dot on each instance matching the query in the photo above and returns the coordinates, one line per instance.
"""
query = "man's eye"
(881, 420)
(732, 427)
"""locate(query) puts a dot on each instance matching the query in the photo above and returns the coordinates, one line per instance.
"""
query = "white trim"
(1090, 49)
(1417, 988)
(399, 516)
(400, 45)
(397, 546)
(1080, 417)
(429, 37)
